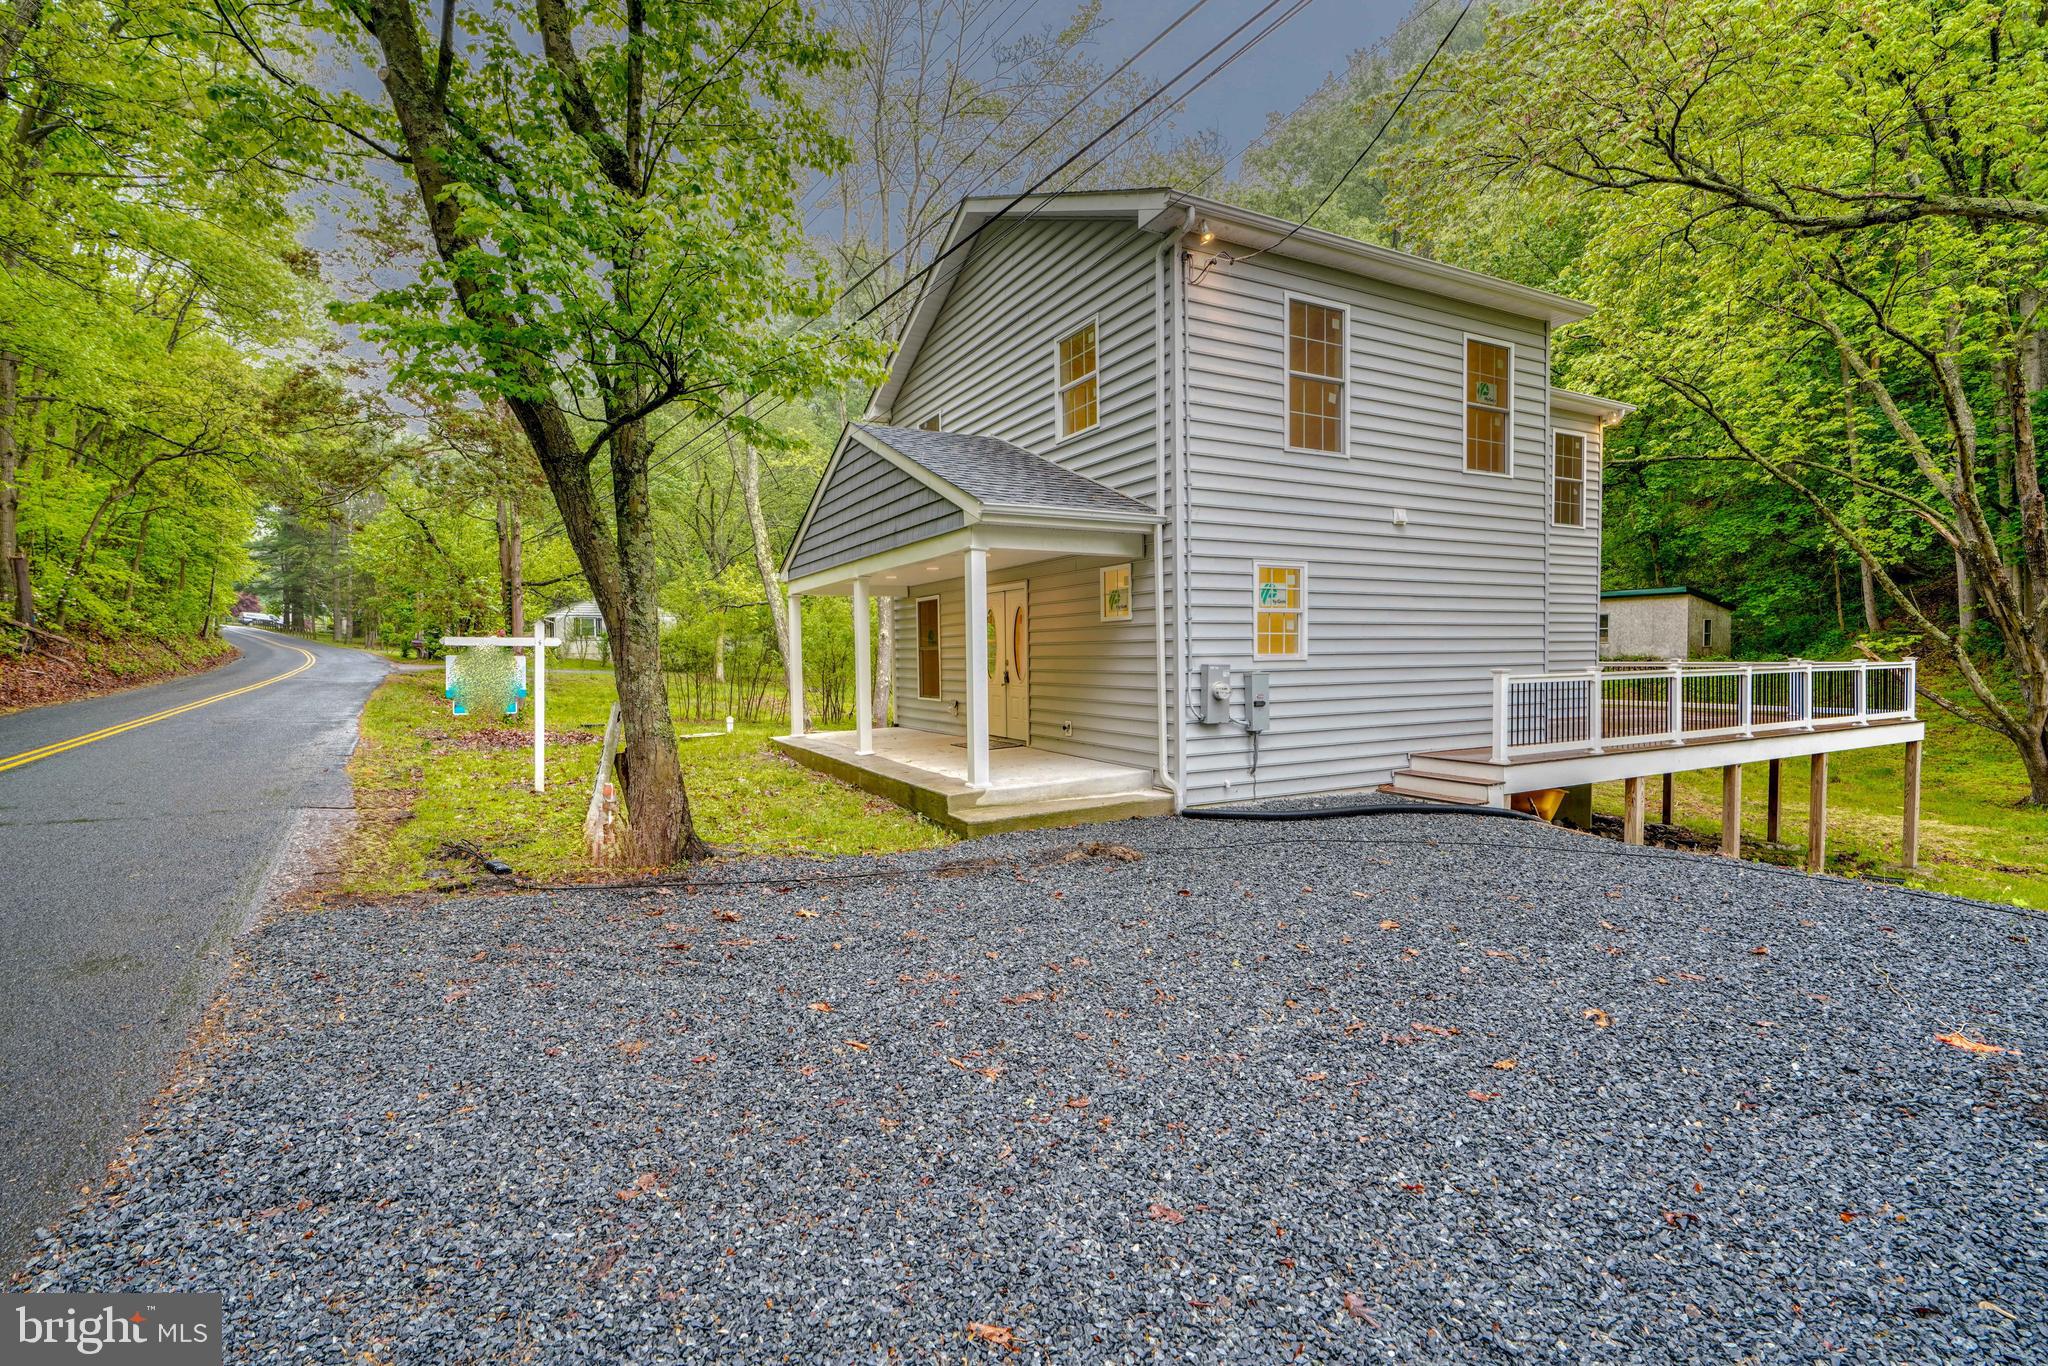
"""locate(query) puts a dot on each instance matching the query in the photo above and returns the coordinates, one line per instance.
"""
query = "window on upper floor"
(1279, 611)
(930, 424)
(1488, 410)
(1076, 392)
(1315, 377)
(1568, 479)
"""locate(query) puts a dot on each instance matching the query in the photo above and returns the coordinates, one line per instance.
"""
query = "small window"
(1568, 480)
(928, 647)
(1315, 377)
(1603, 628)
(1279, 612)
(930, 424)
(1707, 633)
(1487, 412)
(1077, 381)
(1116, 592)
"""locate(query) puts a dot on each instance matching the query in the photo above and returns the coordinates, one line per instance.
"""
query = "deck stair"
(1464, 777)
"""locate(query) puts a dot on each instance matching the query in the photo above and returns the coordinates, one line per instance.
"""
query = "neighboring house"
(1664, 623)
(580, 628)
(1175, 504)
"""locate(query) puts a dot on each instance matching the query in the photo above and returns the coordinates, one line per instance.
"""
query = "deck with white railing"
(1630, 721)
(1684, 702)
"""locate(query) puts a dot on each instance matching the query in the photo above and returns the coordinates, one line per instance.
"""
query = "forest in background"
(1813, 235)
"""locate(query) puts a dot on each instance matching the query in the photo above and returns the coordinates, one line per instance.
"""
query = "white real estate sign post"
(541, 643)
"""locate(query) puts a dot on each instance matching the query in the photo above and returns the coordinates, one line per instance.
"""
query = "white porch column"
(977, 666)
(863, 673)
(795, 663)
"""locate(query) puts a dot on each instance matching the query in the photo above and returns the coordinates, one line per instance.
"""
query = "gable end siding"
(871, 506)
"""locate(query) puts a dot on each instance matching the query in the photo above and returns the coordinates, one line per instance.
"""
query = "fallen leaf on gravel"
(729, 917)
(1690, 977)
(855, 1044)
(1354, 1305)
(632, 1048)
(806, 913)
(1165, 1214)
(1077, 1102)
(1599, 1017)
(1504, 1065)
(1484, 1095)
(1413, 1188)
(1848, 1216)
(995, 1334)
(642, 1184)
(1678, 1218)
(1023, 998)
(705, 1057)
(1969, 1045)
(1761, 951)
(822, 1007)
(1439, 1030)
(1501, 953)
(1390, 924)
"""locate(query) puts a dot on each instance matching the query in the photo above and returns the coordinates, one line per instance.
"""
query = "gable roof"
(1676, 591)
(1166, 211)
(982, 477)
(1001, 476)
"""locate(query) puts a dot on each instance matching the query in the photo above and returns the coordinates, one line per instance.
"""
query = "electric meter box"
(1215, 707)
(1258, 700)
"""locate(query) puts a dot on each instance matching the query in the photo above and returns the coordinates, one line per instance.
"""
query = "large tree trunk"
(651, 773)
(1966, 597)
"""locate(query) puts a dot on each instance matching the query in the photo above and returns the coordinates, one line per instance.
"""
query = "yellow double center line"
(29, 756)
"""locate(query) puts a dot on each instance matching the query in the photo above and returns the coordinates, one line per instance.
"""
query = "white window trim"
(1059, 432)
(1288, 299)
(916, 612)
(1130, 592)
(1301, 634)
(1465, 404)
(1585, 461)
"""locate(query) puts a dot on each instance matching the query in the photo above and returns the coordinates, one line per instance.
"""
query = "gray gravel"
(1198, 1106)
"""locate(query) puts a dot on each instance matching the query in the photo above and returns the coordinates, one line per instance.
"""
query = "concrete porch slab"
(1028, 789)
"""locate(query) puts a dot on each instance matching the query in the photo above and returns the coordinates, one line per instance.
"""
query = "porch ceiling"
(1010, 546)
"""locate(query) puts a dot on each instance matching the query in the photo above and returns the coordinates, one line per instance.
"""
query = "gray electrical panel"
(1258, 700)
(1215, 707)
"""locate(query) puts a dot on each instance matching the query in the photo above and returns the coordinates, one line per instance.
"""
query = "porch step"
(1469, 763)
(1443, 787)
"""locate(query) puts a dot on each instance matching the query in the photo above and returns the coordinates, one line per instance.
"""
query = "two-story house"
(1176, 504)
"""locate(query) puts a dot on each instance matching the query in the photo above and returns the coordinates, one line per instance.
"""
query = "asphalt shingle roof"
(1003, 475)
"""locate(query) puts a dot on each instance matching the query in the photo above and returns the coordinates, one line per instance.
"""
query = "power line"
(970, 237)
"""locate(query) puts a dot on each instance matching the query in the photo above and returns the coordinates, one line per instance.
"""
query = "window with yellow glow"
(1077, 381)
(1315, 377)
(1487, 410)
(1279, 612)
(1568, 480)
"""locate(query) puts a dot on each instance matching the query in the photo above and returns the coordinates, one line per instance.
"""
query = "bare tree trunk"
(1966, 597)
(512, 565)
(764, 550)
(135, 559)
(1854, 450)
(718, 655)
(13, 562)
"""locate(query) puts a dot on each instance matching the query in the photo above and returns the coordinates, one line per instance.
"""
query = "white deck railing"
(1677, 702)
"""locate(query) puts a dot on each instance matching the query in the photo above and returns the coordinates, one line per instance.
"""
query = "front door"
(1009, 664)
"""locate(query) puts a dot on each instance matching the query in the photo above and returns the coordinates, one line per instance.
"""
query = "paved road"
(127, 866)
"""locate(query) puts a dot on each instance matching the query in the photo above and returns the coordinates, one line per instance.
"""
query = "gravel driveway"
(1407, 1087)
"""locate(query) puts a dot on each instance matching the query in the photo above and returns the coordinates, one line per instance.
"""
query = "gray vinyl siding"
(1088, 673)
(1404, 623)
(987, 368)
(870, 506)
(987, 365)
(1574, 621)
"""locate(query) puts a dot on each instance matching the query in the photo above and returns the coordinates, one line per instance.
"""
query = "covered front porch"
(933, 520)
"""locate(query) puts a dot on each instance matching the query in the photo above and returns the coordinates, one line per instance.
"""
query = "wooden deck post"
(1666, 808)
(1817, 815)
(1731, 810)
(1632, 811)
(1909, 846)
(1773, 808)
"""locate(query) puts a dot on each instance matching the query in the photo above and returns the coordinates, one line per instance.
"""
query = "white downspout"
(1549, 497)
(1181, 498)
(1164, 699)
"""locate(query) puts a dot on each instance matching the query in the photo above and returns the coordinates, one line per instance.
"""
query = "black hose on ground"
(1324, 813)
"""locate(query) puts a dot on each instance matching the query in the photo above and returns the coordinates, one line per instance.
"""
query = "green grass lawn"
(1975, 838)
(425, 779)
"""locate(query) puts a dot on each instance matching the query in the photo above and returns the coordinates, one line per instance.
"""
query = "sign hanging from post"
(494, 675)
